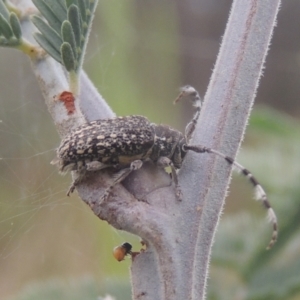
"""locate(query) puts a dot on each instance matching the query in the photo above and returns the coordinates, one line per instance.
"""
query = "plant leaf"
(58, 9)
(53, 19)
(45, 44)
(69, 22)
(70, 2)
(15, 25)
(68, 57)
(82, 8)
(74, 19)
(4, 11)
(49, 34)
(5, 28)
(69, 36)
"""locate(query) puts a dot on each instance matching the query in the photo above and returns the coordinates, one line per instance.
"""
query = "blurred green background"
(140, 52)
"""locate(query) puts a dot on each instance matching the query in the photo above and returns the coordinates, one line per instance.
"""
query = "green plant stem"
(74, 83)
(33, 51)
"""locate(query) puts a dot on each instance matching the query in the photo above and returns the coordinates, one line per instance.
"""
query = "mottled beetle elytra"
(124, 143)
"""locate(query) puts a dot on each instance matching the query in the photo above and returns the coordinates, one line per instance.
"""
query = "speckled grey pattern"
(113, 142)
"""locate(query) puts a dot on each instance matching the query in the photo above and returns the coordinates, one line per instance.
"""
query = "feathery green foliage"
(65, 34)
(10, 28)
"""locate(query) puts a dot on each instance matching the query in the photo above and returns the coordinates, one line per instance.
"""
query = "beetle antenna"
(260, 193)
(191, 94)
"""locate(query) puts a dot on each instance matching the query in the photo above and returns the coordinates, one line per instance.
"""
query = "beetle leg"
(188, 92)
(82, 168)
(166, 162)
(120, 176)
(75, 182)
(95, 166)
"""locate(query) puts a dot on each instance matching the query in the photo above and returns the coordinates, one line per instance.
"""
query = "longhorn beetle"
(124, 143)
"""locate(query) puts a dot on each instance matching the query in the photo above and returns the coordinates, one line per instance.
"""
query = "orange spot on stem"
(68, 99)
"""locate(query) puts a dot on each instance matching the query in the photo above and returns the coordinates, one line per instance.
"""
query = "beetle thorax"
(168, 143)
